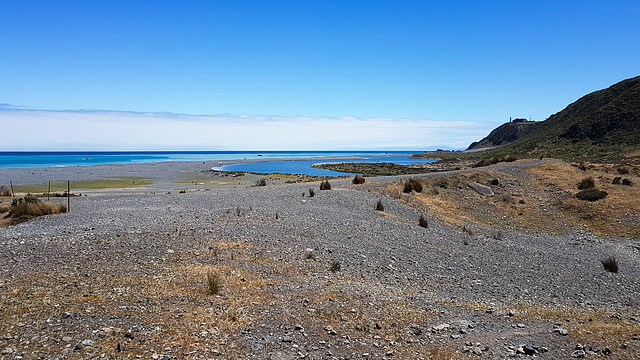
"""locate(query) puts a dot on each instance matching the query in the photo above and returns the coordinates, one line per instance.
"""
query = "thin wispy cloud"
(120, 130)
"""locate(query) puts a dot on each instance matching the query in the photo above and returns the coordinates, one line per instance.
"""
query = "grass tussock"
(610, 264)
(311, 193)
(586, 183)
(358, 179)
(379, 206)
(412, 185)
(261, 182)
(5, 191)
(35, 209)
(423, 222)
(214, 283)
(325, 185)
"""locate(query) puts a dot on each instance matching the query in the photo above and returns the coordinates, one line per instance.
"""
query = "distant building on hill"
(518, 120)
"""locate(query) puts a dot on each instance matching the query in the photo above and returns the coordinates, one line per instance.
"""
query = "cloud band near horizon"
(29, 129)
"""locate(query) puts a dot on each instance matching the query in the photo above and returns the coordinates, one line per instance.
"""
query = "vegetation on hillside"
(603, 126)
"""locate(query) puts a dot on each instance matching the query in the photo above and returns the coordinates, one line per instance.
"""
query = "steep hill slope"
(504, 134)
(604, 124)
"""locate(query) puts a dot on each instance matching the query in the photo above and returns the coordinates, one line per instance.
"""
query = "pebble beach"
(122, 274)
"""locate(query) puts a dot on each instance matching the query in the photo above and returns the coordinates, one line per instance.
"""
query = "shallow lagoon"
(305, 166)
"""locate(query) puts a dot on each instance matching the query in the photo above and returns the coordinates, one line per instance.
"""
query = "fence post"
(49, 191)
(68, 195)
(13, 194)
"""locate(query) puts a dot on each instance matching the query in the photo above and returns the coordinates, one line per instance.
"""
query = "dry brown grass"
(585, 325)
(38, 209)
(616, 215)
(541, 197)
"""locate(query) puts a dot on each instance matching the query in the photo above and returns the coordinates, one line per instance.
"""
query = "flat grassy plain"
(105, 183)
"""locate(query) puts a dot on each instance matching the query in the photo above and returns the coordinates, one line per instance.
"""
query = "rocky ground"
(191, 270)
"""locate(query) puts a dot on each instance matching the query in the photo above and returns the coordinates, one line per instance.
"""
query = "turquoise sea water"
(62, 159)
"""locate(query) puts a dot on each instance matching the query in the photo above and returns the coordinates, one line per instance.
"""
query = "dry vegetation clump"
(610, 264)
(28, 207)
(261, 182)
(423, 222)
(379, 206)
(214, 283)
(358, 179)
(623, 170)
(311, 193)
(5, 191)
(325, 185)
(586, 183)
(412, 185)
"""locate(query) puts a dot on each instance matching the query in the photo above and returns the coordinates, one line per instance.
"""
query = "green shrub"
(358, 179)
(586, 183)
(591, 194)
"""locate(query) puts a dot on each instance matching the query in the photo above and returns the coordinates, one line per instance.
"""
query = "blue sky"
(449, 71)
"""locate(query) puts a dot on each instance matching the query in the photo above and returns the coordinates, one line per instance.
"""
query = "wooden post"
(68, 195)
(49, 191)
(13, 194)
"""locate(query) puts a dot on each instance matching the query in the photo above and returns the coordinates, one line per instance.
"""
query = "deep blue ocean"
(39, 159)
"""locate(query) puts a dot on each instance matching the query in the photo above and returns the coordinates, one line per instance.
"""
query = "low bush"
(311, 193)
(358, 179)
(379, 206)
(423, 222)
(261, 182)
(586, 183)
(610, 264)
(412, 185)
(325, 185)
(591, 194)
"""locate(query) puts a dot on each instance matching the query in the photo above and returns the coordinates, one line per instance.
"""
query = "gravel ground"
(477, 289)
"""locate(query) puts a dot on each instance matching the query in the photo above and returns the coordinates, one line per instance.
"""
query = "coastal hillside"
(603, 125)
(504, 134)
